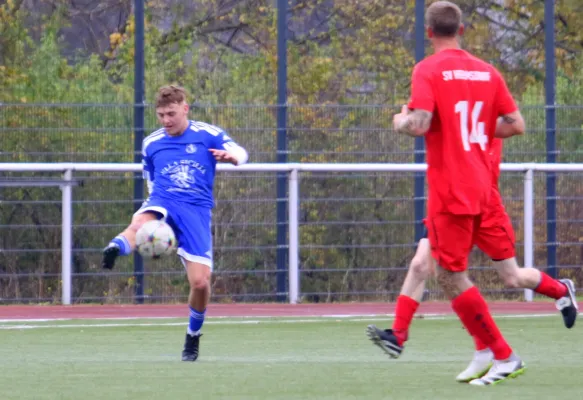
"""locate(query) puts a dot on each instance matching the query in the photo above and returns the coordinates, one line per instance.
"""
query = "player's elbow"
(418, 130)
(510, 125)
(421, 131)
(518, 127)
(423, 123)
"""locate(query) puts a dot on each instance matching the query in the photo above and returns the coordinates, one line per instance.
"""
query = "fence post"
(139, 122)
(419, 185)
(528, 226)
(282, 153)
(66, 236)
(550, 125)
(294, 248)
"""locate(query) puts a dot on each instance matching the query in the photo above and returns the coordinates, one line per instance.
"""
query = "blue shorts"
(191, 225)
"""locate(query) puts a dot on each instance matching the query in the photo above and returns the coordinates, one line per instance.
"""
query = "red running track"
(251, 310)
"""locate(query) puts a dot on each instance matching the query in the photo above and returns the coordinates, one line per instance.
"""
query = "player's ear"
(186, 107)
(461, 30)
(429, 33)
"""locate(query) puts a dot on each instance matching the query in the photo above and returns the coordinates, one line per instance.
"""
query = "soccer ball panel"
(155, 239)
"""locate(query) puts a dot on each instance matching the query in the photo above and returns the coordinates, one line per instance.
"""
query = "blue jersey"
(181, 168)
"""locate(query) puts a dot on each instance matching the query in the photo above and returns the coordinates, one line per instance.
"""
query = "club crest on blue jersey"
(182, 176)
(190, 149)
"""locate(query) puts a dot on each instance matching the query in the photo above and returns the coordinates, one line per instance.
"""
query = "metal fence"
(351, 241)
(349, 221)
(316, 133)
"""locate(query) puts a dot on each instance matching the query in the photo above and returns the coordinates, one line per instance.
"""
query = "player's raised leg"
(496, 238)
(563, 290)
(392, 341)
(124, 243)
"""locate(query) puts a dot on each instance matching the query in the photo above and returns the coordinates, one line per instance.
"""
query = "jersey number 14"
(477, 133)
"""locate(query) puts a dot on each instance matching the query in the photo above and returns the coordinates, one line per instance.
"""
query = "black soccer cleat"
(190, 352)
(110, 253)
(386, 340)
(568, 305)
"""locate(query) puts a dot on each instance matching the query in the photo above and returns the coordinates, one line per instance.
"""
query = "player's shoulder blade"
(430, 59)
(426, 63)
(478, 60)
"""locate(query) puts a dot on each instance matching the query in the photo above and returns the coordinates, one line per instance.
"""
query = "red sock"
(404, 313)
(473, 311)
(479, 344)
(551, 287)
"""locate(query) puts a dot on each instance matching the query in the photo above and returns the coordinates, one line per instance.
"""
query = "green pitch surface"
(307, 358)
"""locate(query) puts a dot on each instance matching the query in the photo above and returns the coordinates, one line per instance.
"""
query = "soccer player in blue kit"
(179, 166)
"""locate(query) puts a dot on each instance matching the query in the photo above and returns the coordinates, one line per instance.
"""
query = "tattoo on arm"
(507, 119)
(416, 123)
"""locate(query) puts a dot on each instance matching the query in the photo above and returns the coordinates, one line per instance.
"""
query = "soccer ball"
(155, 239)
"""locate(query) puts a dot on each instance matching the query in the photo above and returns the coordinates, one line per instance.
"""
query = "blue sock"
(195, 322)
(123, 244)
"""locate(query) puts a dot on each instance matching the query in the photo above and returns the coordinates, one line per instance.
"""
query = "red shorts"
(453, 236)
(496, 236)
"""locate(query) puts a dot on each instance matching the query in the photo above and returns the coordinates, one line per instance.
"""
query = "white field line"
(265, 317)
(248, 321)
(207, 318)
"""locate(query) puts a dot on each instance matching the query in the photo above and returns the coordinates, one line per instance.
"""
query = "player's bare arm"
(509, 125)
(412, 123)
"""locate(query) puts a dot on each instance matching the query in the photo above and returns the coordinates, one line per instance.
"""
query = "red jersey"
(466, 96)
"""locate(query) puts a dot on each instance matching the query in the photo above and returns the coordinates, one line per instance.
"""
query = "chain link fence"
(356, 229)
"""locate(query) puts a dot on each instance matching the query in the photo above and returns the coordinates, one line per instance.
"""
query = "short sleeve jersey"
(466, 96)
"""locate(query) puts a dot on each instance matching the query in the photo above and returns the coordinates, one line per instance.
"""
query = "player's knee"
(510, 273)
(134, 226)
(512, 281)
(420, 268)
(199, 283)
(141, 219)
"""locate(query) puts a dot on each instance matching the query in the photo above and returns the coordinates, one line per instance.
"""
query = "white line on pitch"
(259, 317)
(246, 322)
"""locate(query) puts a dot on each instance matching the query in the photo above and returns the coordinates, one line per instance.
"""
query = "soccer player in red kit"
(496, 239)
(456, 100)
